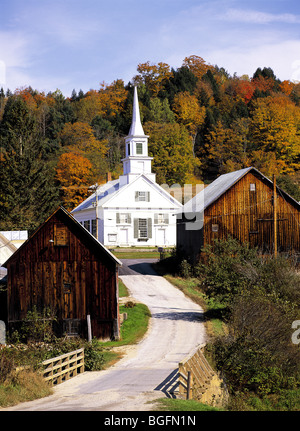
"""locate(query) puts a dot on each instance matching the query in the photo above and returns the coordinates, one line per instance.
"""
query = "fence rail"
(64, 367)
(197, 380)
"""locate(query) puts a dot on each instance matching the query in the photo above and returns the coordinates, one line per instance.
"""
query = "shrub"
(37, 326)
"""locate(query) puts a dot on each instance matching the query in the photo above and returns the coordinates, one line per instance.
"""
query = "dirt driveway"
(148, 370)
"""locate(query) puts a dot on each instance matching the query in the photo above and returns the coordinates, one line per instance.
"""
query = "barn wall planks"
(246, 212)
(62, 267)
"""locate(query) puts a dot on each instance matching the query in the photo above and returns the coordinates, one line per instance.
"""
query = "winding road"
(148, 371)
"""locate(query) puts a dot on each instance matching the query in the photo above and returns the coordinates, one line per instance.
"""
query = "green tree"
(28, 192)
(172, 147)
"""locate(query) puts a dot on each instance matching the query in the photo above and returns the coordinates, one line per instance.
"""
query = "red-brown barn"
(63, 267)
(240, 204)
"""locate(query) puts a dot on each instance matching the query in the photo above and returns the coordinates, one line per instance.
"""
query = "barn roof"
(223, 183)
(78, 226)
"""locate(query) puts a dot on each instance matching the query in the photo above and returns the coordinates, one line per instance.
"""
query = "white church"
(132, 210)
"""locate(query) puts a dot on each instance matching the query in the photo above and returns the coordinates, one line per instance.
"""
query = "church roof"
(105, 192)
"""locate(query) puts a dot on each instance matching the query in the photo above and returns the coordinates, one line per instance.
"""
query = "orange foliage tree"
(74, 174)
(108, 101)
(153, 76)
(79, 136)
(196, 65)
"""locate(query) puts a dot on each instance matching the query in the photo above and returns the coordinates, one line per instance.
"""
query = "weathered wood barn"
(244, 205)
(63, 267)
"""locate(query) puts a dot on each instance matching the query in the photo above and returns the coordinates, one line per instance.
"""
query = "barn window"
(60, 235)
(252, 187)
(71, 327)
(215, 228)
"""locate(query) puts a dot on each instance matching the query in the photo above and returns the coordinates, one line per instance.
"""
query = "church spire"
(136, 128)
(136, 161)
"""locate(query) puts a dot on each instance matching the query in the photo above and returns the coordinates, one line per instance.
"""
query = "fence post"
(188, 390)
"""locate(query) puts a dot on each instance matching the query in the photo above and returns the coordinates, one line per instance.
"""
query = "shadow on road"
(137, 267)
(186, 316)
(169, 385)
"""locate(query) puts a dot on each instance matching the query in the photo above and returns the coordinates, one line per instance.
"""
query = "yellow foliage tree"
(74, 173)
(79, 136)
(275, 128)
(196, 65)
(189, 112)
(153, 76)
(109, 100)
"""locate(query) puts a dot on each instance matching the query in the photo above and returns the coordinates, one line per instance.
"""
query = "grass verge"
(175, 405)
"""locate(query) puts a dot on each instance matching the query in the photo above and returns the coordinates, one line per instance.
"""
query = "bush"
(257, 355)
(93, 356)
(37, 326)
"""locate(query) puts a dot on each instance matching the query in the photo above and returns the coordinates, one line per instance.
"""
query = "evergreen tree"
(28, 193)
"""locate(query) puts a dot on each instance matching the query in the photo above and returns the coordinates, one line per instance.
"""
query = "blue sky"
(77, 44)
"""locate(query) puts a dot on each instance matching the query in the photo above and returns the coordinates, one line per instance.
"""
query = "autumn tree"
(189, 113)
(274, 127)
(226, 149)
(74, 174)
(79, 137)
(154, 76)
(108, 101)
(197, 65)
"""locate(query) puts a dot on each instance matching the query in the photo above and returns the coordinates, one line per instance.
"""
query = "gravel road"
(148, 370)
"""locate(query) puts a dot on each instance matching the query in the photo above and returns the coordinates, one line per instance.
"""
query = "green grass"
(174, 405)
(123, 291)
(137, 255)
(134, 328)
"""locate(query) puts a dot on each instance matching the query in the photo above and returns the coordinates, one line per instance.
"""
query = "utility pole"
(275, 214)
(95, 188)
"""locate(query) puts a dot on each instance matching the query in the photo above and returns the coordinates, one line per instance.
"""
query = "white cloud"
(282, 57)
(256, 17)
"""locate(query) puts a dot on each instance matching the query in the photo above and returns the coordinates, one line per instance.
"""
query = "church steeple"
(136, 161)
(136, 128)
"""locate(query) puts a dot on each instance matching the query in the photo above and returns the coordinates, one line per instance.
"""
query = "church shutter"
(149, 226)
(155, 218)
(136, 196)
(147, 196)
(135, 228)
(129, 218)
(118, 218)
(166, 218)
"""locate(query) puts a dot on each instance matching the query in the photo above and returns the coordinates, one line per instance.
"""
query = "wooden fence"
(63, 367)
(197, 380)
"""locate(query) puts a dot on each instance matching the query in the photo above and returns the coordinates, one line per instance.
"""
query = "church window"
(143, 228)
(112, 237)
(128, 149)
(94, 227)
(142, 196)
(143, 231)
(87, 224)
(161, 218)
(139, 148)
(123, 218)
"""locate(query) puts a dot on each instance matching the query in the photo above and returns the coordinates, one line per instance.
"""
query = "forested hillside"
(201, 122)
